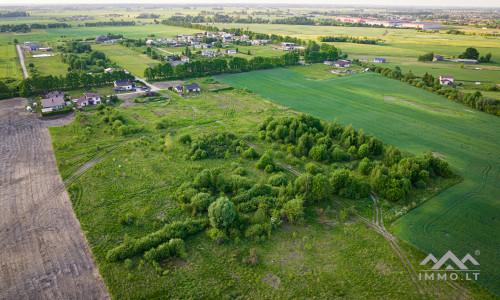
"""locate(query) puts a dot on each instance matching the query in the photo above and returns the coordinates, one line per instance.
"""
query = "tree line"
(109, 23)
(27, 27)
(13, 14)
(208, 67)
(348, 39)
(71, 81)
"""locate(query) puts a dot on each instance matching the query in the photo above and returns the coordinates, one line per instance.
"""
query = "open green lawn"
(464, 218)
(316, 258)
(125, 58)
(9, 68)
(48, 65)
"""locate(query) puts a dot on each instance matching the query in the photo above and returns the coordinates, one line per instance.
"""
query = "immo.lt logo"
(450, 272)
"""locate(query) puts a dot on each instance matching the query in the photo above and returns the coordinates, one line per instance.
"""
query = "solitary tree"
(221, 213)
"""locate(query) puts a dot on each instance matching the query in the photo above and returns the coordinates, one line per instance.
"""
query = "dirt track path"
(43, 253)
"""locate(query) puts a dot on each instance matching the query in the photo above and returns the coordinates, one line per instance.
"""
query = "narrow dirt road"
(43, 253)
(21, 60)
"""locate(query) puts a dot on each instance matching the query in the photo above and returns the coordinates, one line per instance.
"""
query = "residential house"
(161, 41)
(231, 51)
(446, 80)
(207, 53)
(342, 63)
(192, 88)
(110, 70)
(150, 42)
(244, 38)
(438, 58)
(101, 39)
(287, 46)
(31, 46)
(53, 101)
(379, 60)
(227, 38)
(123, 85)
(178, 89)
(185, 59)
(329, 63)
(88, 99)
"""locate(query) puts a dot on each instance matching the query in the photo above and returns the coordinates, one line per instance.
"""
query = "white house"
(123, 85)
(446, 80)
(150, 42)
(342, 63)
(231, 51)
(379, 60)
(287, 46)
(184, 59)
(206, 53)
(88, 99)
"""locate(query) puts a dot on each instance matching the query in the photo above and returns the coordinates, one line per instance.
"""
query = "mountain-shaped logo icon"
(449, 256)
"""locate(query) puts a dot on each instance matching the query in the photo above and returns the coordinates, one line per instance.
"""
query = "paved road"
(21, 60)
(43, 253)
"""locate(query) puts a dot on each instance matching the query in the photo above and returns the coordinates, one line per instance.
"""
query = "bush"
(293, 210)
(200, 202)
(258, 231)
(278, 180)
(216, 235)
(250, 153)
(175, 247)
(132, 247)
(127, 220)
(264, 161)
(185, 139)
(221, 213)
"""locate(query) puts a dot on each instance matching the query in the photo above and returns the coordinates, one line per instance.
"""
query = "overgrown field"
(464, 218)
(134, 191)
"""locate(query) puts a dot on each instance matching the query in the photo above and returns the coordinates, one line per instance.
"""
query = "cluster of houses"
(404, 22)
(340, 63)
(196, 40)
(187, 88)
(34, 46)
(105, 40)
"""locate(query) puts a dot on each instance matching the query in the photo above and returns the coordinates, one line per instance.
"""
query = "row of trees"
(348, 39)
(215, 66)
(72, 80)
(315, 53)
(109, 23)
(27, 27)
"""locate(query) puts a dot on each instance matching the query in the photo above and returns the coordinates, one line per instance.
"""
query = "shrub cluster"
(133, 247)
(174, 247)
(214, 146)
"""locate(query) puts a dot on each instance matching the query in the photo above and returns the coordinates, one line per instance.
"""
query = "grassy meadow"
(128, 59)
(315, 258)
(463, 218)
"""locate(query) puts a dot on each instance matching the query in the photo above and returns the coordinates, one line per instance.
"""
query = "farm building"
(231, 51)
(342, 63)
(287, 46)
(53, 101)
(446, 80)
(123, 85)
(101, 39)
(379, 60)
(328, 63)
(467, 61)
(422, 25)
(88, 99)
(31, 46)
(438, 58)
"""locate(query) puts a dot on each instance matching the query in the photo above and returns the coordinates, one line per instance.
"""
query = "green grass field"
(128, 59)
(464, 218)
(307, 260)
(9, 67)
(48, 65)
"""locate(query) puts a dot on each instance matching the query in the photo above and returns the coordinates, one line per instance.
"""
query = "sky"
(440, 3)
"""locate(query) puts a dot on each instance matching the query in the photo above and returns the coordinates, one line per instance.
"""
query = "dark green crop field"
(462, 219)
